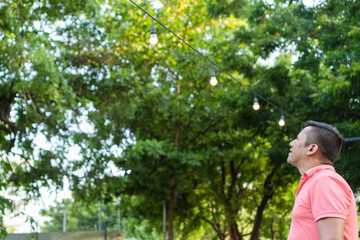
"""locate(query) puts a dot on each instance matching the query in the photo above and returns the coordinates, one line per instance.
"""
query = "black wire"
(215, 65)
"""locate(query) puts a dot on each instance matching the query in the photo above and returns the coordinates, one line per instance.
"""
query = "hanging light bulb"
(213, 80)
(282, 120)
(256, 105)
(153, 37)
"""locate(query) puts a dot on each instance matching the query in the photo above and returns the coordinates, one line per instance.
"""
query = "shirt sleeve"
(330, 197)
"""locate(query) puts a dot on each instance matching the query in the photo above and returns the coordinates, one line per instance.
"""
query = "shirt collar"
(312, 171)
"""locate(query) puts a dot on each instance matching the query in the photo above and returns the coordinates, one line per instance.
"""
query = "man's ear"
(312, 149)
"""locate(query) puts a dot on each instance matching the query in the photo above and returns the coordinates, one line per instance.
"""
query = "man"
(325, 206)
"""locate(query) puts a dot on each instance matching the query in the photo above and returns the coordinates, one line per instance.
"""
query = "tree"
(150, 113)
(324, 40)
(35, 97)
(164, 109)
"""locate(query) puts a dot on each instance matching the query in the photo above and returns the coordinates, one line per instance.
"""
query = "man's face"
(297, 148)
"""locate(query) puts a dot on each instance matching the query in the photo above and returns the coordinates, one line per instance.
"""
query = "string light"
(153, 31)
(213, 80)
(256, 105)
(153, 37)
(282, 120)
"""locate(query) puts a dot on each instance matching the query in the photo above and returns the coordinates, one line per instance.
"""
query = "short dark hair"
(327, 137)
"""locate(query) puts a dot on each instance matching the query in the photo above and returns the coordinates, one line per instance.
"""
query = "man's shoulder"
(331, 173)
(330, 178)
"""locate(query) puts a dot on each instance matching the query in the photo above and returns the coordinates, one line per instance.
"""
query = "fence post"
(164, 221)
(64, 221)
(100, 217)
(105, 231)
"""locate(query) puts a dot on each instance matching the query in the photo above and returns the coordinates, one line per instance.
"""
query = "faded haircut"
(327, 137)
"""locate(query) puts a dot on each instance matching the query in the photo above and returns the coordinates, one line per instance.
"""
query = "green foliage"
(326, 43)
(149, 127)
(80, 217)
(4, 204)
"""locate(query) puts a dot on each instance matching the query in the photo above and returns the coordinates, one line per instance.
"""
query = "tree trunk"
(173, 188)
(258, 218)
(216, 227)
(172, 212)
(273, 231)
(268, 192)
(221, 235)
(234, 232)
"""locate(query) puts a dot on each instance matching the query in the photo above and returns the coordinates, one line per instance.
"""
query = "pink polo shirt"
(322, 193)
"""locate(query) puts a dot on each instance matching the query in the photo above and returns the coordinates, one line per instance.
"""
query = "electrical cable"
(215, 65)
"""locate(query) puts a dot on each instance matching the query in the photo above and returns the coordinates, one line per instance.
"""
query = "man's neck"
(314, 163)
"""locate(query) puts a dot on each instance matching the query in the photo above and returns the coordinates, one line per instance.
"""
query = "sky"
(18, 221)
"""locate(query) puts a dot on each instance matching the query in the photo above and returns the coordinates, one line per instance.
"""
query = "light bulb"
(213, 80)
(282, 120)
(256, 105)
(153, 39)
